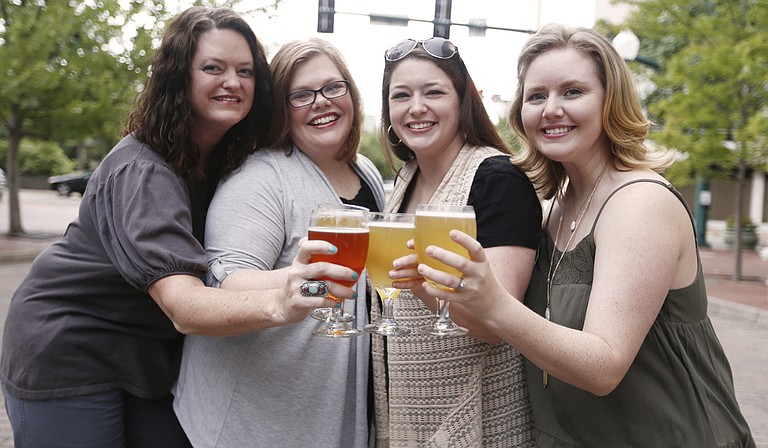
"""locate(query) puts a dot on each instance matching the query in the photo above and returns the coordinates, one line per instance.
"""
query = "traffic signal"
(442, 19)
(325, 12)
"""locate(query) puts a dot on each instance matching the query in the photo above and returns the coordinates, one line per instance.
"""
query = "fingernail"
(355, 276)
(332, 249)
(354, 295)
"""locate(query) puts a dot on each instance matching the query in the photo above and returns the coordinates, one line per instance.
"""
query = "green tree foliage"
(712, 81)
(508, 134)
(39, 158)
(71, 70)
(54, 54)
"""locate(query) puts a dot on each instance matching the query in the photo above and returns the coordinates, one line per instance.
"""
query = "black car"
(65, 184)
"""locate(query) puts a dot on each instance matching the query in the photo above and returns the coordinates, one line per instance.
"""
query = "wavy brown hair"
(161, 116)
(474, 122)
(624, 122)
(284, 64)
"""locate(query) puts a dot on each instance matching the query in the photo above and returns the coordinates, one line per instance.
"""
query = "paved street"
(741, 320)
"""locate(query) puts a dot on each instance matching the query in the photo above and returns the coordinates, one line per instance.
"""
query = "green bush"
(746, 223)
(369, 147)
(38, 158)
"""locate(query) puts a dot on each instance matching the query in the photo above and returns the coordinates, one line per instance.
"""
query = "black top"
(363, 198)
(82, 322)
(495, 181)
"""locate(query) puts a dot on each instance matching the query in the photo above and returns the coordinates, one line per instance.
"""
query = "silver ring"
(461, 284)
(314, 288)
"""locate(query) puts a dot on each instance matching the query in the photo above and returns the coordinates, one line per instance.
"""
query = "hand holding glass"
(433, 223)
(346, 227)
(389, 235)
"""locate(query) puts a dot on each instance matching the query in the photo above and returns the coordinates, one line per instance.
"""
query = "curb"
(19, 255)
(745, 313)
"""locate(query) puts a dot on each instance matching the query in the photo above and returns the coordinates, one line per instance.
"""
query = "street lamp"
(627, 44)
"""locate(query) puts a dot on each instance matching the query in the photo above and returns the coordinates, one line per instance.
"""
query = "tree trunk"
(82, 155)
(737, 249)
(14, 144)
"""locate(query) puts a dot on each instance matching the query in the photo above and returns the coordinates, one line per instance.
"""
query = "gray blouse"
(279, 386)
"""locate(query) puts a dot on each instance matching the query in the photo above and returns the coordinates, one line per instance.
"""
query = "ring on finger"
(461, 284)
(314, 288)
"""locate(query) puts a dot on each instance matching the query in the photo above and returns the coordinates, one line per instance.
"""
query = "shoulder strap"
(667, 185)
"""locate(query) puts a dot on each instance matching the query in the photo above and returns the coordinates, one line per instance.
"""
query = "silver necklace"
(551, 274)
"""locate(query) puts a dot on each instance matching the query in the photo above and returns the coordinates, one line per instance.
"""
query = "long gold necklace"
(551, 273)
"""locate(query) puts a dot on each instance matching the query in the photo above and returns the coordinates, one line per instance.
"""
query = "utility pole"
(442, 19)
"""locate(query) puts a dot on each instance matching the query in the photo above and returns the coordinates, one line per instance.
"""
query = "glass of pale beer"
(389, 235)
(432, 225)
(346, 227)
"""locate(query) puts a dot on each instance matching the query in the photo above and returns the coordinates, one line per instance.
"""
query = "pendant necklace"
(574, 221)
(551, 274)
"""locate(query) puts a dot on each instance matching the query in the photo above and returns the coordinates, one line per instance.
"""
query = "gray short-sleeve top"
(81, 322)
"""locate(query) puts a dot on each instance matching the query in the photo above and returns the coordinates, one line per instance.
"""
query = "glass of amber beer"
(432, 225)
(389, 235)
(346, 227)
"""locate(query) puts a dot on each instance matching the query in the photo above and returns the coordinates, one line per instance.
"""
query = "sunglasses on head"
(436, 47)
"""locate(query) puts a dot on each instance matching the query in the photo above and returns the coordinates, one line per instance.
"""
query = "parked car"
(65, 184)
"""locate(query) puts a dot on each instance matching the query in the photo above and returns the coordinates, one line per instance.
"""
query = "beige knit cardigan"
(447, 392)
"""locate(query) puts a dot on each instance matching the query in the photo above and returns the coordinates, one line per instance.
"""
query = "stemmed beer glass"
(432, 225)
(346, 227)
(389, 235)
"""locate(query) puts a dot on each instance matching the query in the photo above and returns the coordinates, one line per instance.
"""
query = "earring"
(389, 139)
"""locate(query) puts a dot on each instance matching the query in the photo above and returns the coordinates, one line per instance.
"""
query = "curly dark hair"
(161, 116)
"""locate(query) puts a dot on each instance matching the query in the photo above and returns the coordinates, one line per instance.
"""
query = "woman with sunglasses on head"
(619, 349)
(283, 386)
(465, 390)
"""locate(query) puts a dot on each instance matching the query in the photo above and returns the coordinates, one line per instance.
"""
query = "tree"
(53, 54)
(71, 70)
(711, 86)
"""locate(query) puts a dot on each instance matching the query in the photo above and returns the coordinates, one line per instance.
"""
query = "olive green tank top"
(678, 391)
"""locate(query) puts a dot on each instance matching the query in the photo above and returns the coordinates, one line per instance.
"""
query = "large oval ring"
(314, 288)
(461, 284)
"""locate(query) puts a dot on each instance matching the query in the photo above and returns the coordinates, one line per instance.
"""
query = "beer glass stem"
(337, 313)
(443, 314)
(389, 305)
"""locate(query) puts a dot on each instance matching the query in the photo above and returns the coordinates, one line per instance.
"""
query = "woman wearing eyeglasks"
(283, 386)
(466, 390)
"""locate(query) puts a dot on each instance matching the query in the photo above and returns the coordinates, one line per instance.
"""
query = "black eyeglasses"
(304, 98)
(435, 46)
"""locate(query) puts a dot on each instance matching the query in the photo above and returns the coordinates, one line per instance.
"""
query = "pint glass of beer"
(346, 227)
(432, 225)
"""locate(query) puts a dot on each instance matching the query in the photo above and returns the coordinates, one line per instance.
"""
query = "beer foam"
(338, 230)
(396, 225)
(439, 214)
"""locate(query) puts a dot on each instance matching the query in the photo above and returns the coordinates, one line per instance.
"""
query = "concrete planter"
(748, 238)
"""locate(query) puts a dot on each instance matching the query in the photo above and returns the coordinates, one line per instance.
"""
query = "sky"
(491, 59)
